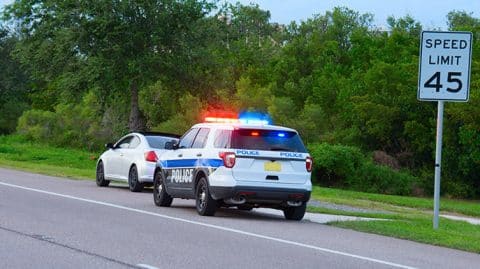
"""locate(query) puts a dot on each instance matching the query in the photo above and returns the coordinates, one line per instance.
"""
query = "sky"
(431, 13)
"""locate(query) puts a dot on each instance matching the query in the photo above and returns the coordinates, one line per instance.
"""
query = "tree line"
(82, 73)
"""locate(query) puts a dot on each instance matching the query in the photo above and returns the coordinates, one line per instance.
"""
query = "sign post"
(444, 75)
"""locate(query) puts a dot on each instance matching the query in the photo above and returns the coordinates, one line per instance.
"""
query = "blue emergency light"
(254, 118)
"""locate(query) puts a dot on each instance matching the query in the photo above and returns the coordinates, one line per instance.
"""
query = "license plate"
(272, 166)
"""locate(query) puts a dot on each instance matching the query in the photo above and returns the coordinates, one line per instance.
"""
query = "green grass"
(453, 234)
(394, 202)
(408, 217)
(16, 152)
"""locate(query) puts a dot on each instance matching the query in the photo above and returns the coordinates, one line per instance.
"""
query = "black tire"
(100, 176)
(133, 183)
(205, 204)
(295, 212)
(245, 207)
(160, 195)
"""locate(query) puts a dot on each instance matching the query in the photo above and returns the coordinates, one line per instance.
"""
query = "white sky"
(431, 13)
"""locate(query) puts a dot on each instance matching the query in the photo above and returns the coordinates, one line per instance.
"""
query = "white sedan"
(132, 159)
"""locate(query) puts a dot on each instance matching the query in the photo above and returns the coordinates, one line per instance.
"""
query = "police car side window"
(187, 139)
(222, 139)
(201, 138)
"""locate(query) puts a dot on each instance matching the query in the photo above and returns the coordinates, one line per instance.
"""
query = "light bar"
(254, 121)
(220, 120)
(254, 118)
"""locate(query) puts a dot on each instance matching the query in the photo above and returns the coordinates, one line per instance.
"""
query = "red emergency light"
(221, 117)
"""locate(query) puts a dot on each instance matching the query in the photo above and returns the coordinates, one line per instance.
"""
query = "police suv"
(225, 163)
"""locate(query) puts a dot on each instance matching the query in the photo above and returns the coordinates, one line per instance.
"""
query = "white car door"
(129, 156)
(116, 158)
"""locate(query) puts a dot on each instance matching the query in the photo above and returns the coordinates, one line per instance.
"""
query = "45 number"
(453, 77)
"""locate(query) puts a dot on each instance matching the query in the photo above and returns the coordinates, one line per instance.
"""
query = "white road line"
(214, 227)
(146, 266)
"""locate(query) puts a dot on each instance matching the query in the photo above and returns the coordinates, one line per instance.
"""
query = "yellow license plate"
(272, 166)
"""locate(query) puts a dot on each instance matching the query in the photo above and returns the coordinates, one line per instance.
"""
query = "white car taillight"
(228, 158)
(150, 156)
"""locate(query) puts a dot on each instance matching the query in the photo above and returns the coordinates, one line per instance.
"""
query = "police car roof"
(246, 126)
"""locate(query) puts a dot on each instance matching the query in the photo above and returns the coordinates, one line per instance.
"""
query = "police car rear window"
(158, 142)
(271, 140)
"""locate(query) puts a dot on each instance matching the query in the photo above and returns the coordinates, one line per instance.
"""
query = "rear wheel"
(133, 183)
(206, 205)
(295, 212)
(160, 195)
(100, 176)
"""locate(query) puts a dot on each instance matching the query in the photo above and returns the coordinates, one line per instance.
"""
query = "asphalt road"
(48, 222)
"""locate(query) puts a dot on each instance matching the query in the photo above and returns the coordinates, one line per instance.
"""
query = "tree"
(115, 46)
(13, 84)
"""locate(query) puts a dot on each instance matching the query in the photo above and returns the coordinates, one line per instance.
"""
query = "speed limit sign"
(444, 73)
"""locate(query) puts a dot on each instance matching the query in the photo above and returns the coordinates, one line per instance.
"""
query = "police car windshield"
(272, 140)
(158, 142)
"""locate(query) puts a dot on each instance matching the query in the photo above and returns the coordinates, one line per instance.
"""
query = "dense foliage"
(85, 72)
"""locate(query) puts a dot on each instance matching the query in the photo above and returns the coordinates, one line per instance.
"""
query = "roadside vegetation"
(404, 217)
(19, 153)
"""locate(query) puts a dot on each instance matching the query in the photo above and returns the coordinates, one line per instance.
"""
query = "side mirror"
(109, 145)
(171, 145)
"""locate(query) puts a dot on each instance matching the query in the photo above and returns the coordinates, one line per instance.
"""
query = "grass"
(453, 234)
(17, 152)
(394, 202)
(408, 217)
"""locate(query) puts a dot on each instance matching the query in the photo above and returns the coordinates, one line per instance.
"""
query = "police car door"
(179, 165)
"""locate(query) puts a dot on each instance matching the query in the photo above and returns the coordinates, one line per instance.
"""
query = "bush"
(346, 167)
(382, 179)
(71, 125)
(335, 165)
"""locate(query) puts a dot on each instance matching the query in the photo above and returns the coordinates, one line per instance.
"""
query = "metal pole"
(438, 162)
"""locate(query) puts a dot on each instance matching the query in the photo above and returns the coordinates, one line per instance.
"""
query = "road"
(49, 222)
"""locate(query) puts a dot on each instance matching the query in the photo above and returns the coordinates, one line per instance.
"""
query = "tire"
(295, 212)
(205, 204)
(133, 183)
(100, 176)
(245, 207)
(160, 195)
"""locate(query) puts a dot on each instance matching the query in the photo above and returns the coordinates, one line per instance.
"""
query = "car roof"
(246, 126)
(157, 134)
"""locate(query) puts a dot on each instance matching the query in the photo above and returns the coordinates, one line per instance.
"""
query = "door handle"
(121, 155)
(199, 154)
(180, 155)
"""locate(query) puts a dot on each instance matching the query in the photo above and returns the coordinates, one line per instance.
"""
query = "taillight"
(228, 158)
(150, 156)
(309, 164)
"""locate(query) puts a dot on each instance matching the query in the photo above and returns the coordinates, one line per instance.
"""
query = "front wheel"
(160, 195)
(100, 176)
(206, 205)
(133, 183)
(295, 212)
